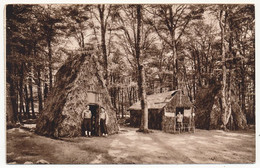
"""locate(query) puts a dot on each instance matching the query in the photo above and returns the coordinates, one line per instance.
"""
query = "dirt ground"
(131, 147)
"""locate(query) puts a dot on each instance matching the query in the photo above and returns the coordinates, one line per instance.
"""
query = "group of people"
(87, 123)
(103, 118)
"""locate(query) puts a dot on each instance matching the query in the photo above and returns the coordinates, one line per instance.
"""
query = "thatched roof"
(79, 82)
(158, 101)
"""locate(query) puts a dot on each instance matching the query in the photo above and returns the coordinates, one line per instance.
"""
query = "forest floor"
(129, 146)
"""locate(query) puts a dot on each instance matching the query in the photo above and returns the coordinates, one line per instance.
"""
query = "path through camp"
(129, 146)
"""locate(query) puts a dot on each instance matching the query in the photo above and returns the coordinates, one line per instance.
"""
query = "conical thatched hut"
(78, 83)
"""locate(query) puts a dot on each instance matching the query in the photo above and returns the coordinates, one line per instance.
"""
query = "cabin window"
(187, 112)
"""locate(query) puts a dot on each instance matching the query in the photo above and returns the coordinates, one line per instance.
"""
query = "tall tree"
(141, 71)
(226, 113)
(51, 21)
(102, 13)
(77, 17)
(17, 49)
(170, 23)
(103, 27)
(136, 37)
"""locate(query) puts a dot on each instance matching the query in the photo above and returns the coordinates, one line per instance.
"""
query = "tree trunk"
(17, 101)
(82, 40)
(224, 106)
(45, 90)
(253, 105)
(174, 70)
(194, 76)
(31, 97)
(27, 102)
(39, 90)
(122, 102)
(229, 106)
(21, 76)
(141, 74)
(11, 104)
(243, 88)
(118, 98)
(114, 95)
(38, 81)
(128, 90)
(144, 101)
(132, 95)
(50, 62)
(101, 9)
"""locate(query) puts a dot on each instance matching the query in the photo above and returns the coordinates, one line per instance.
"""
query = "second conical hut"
(78, 83)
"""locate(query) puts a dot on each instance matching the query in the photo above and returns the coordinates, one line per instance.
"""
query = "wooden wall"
(154, 118)
(135, 118)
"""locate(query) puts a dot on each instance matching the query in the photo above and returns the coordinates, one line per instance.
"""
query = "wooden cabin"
(162, 111)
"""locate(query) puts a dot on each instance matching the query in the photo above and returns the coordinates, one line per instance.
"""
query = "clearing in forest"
(129, 146)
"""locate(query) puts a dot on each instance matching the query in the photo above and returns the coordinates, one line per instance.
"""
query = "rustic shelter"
(78, 83)
(162, 111)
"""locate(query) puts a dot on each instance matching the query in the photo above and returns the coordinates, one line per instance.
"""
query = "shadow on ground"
(129, 146)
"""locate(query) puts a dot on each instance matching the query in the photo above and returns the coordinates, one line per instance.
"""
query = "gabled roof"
(155, 101)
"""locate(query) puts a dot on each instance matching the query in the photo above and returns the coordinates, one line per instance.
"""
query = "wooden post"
(97, 119)
(193, 120)
(174, 124)
(189, 123)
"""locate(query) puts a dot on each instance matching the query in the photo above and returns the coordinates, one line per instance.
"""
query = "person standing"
(103, 121)
(86, 115)
(180, 121)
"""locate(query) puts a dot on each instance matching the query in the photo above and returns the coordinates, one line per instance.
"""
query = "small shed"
(162, 111)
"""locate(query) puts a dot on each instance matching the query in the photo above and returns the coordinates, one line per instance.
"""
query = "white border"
(2, 76)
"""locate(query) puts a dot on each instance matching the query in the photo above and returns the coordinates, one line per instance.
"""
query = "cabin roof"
(157, 101)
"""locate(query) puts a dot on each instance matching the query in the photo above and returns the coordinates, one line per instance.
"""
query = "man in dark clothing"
(86, 115)
(103, 121)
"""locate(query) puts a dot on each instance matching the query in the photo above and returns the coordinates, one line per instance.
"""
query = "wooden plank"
(167, 114)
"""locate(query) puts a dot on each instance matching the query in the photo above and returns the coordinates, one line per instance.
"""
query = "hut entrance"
(94, 108)
(179, 109)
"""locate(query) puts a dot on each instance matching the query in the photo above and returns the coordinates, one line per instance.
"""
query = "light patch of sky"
(210, 19)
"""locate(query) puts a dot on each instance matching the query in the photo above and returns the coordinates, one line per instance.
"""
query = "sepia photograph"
(107, 83)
